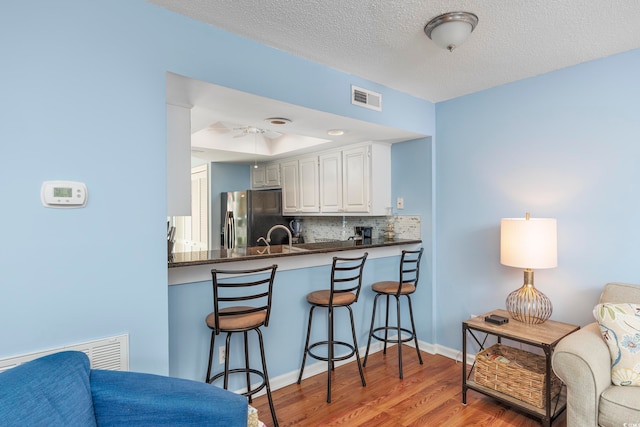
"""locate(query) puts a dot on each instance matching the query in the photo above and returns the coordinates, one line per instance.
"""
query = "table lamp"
(529, 243)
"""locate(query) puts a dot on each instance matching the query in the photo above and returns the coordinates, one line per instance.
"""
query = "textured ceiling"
(383, 40)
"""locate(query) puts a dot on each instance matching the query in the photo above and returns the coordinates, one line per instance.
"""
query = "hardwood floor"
(429, 395)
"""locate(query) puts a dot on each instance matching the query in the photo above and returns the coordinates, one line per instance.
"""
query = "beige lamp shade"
(529, 243)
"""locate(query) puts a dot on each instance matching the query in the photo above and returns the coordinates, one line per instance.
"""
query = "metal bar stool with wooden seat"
(409, 274)
(346, 282)
(242, 303)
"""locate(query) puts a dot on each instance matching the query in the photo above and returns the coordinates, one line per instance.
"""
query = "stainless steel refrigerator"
(248, 215)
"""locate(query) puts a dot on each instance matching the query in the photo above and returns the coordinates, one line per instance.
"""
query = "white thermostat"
(63, 194)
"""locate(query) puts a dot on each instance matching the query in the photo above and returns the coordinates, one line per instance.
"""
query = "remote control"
(495, 319)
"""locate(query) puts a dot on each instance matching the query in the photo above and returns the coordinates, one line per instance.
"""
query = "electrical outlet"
(400, 203)
(474, 315)
(221, 355)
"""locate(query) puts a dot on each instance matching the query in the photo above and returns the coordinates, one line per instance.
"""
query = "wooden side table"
(544, 336)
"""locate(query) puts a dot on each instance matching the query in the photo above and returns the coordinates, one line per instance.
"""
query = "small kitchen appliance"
(296, 229)
(364, 234)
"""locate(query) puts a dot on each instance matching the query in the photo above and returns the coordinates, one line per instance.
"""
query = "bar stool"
(346, 281)
(233, 290)
(409, 273)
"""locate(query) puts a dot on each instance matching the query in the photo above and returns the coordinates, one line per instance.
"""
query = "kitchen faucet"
(266, 248)
(268, 240)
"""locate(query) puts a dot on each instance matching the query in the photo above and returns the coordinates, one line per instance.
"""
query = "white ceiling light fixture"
(451, 29)
(278, 121)
(335, 132)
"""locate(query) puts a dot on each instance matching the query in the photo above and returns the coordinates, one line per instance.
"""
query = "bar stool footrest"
(326, 358)
(243, 371)
(392, 329)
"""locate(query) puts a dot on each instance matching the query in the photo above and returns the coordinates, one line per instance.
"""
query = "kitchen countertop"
(185, 259)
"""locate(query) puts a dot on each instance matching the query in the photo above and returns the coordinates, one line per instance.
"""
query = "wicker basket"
(515, 372)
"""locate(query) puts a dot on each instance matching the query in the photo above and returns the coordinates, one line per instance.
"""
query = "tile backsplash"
(318, 229)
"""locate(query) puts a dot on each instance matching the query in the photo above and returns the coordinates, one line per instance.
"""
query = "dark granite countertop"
(185, 259)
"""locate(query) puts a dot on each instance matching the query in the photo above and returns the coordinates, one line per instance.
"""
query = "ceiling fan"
(241, 131)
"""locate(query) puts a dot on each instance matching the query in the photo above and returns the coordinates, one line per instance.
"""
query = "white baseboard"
(319, 367)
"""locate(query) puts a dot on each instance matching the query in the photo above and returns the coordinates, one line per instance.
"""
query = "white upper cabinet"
(356, 177)
(290, 187)
(273, 175)
(356, 180)
(309, 184)
(300, 186)
(258, 176)
(331, 182)
(353, 181)
(379, 178)
(266, 175)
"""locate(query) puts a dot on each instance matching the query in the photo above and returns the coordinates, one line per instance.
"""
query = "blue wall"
(411, 163)
(561, 145)
(83, 98)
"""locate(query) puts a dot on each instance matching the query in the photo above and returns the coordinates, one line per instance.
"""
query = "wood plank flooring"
(429, 395)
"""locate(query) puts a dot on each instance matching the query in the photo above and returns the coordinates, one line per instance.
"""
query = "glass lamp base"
(529, 305)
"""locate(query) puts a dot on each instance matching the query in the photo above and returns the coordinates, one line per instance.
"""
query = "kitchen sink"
(273, 249)
(293, 249)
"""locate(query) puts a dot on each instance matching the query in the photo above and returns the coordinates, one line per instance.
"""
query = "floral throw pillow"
(620, 327)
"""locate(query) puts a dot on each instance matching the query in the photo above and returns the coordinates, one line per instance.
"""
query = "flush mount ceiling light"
(451, 29)
(335, 132)
(277, 121)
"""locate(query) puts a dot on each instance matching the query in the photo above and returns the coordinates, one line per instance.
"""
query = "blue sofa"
(61, 390)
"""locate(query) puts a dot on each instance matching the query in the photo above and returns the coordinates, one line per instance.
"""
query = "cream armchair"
(583, 362)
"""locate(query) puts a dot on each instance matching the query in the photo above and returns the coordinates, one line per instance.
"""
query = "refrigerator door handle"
(225, 237)
(232, 227)
(229, 230)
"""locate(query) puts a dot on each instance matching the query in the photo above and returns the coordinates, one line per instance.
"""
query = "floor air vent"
(108, 353)
(366, 98)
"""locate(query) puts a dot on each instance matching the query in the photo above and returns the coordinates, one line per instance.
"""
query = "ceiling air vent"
(366, 98)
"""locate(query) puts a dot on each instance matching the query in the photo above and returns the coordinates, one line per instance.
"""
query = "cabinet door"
(272, 175)
(355, 180)
(192, 232)
(290, 187)
(258, 176)
(200, 208)
(308, 184)
(331, 182)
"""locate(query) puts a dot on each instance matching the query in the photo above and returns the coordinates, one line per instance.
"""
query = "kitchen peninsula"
(188, 267)
(307, 267)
